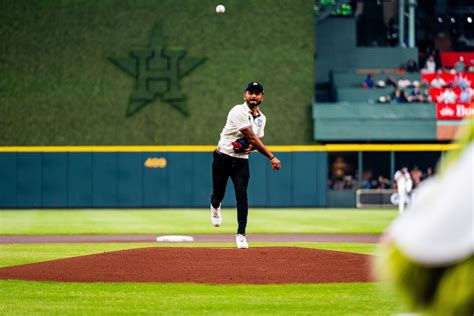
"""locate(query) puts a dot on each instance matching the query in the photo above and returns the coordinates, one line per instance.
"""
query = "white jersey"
(401, 181)
(239, 118)
(408, 182)
(404, 182)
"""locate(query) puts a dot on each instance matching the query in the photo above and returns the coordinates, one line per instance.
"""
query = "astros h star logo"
(158, 71)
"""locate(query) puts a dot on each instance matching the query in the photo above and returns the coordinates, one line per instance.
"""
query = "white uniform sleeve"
(261, 131)
(239, 119)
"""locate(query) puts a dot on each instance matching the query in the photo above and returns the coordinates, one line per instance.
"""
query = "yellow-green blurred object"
(433, 290)
(447, 290)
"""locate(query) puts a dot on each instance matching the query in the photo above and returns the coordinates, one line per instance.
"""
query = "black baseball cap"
(254, 86)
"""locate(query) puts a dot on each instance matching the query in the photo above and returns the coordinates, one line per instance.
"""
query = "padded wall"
(121, 180)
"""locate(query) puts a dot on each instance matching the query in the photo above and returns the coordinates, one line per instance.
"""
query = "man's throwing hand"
(276, 164)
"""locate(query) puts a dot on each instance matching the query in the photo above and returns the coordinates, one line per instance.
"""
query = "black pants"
(223, 167)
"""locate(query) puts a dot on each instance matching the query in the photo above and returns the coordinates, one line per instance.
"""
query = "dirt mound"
(260, 265)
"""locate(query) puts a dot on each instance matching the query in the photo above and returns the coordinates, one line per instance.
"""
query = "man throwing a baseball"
(242, 133)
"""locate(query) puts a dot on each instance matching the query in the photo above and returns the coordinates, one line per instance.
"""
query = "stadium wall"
(132, 178)
(336, 50)
(382, 122)
(171, 176)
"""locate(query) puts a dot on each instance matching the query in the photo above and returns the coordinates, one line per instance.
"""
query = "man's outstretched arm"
(258, 144)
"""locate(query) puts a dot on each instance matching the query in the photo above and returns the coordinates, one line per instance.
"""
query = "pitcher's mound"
(260, 265)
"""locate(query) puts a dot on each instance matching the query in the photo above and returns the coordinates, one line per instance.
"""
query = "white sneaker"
(241, 241)
(216, 216)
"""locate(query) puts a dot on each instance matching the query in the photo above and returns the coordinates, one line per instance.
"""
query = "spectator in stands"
(427, 95)
(403, 83)
(448, 96)
(349, 182)
(416, 175)
(438, 82)
(471, 66)
(338, 170)
(428, 174)
(466, 95)
(383, 183)
(461, 82)
(459, 65)
(416, 95)
(369, 82)
(430, 66)
(367, 180)
(424, 82)
(390, 81)
(412, 66)
(398, 96)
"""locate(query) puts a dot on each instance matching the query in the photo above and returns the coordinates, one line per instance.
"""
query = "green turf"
(23, 297)
(193, 221)
(20, 297)
(14, 254)
(57, 86)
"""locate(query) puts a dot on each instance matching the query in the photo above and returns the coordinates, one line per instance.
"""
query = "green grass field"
(26, 297)
(193, 299)
(194, 221)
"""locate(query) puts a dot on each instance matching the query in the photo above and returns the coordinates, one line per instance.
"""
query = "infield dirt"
(259, 265)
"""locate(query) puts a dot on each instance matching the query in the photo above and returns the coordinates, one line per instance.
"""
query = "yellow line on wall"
(209, 148)
(368, 147)
(107, 149)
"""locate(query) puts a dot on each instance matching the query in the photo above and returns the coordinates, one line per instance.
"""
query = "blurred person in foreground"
(242, 133)
(427, 254)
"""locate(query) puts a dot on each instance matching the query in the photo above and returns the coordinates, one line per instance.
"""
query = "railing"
(385, 198)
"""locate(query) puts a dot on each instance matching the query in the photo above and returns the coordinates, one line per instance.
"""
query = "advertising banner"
(455, 111)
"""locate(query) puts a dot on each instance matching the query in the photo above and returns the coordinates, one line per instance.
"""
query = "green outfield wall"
(171, 176)
(100, 179)
(146, 72)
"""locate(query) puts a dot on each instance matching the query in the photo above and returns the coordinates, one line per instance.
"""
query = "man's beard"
(254, 102)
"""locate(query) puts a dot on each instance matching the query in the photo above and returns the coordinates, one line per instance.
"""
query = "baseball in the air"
(220, 8)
